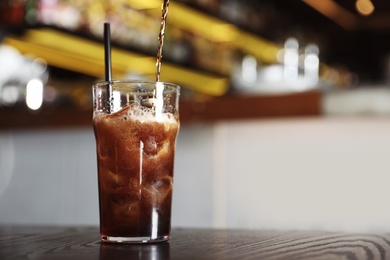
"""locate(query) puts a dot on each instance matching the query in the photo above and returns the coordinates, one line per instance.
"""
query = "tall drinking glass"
(135, 130)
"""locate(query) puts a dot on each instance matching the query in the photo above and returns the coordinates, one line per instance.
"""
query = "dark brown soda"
(135, 174)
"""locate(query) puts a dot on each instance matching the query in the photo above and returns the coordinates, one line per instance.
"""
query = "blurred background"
(285, 108)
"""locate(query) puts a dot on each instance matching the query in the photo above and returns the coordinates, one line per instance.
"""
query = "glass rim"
(172, 86)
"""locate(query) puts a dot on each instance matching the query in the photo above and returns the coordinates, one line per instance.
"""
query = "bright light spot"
(249, 69)
(49, 2)
(311, 62)
(312, 48)
(10, 63)
(69, 17)
(141, 151)
(291, 43)
(116, 101)
(291, 59)
(272, 74)
(39, 66)
(365, 7)
(34, 94)
(48, 11)
(159, 101)
(290, 73)
(291, 63)
(154, 223)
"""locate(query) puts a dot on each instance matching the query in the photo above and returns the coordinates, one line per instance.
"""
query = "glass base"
(133, 240)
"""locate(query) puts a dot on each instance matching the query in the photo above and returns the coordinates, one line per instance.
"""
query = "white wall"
(313, 173)
(53, 179)
(331, 173)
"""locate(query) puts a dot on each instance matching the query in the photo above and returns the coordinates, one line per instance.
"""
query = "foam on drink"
(146, 114)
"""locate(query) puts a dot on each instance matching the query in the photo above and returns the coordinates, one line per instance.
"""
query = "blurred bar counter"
(235, 107)
(229, 107)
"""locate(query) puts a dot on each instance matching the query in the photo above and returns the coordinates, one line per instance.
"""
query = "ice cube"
(130, 210)
(157, 191)
(127, 193)
(150, 145)
(109, 180)
(164, 149)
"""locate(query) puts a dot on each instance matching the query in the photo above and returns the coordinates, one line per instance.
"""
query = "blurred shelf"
(217, 29)
(85, 56)
(235, 107)
(76, 51)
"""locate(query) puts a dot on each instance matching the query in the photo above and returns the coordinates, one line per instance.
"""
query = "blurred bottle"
(12, 12)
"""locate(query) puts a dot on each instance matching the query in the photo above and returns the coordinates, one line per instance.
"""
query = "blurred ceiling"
(362, 43)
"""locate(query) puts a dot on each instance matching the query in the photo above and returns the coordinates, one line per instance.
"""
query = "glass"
(135, 145)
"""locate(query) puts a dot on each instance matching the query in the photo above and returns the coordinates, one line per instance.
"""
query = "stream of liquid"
(161, 38)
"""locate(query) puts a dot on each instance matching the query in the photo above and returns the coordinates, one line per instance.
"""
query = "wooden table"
(83, 243)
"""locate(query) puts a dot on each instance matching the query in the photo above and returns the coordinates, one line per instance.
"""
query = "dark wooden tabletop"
(83, 243)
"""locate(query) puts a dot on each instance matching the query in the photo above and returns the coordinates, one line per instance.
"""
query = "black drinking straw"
(107, 64)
